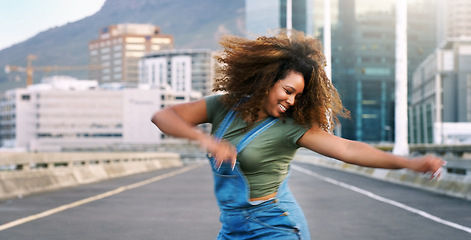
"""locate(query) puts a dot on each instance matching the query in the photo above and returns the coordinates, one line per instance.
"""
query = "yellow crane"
(29, 69)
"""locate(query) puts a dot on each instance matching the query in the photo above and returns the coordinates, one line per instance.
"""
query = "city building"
(440, 106)
(182, 70)
(454, 20)
(318, 12)
(262, 16)
(114, 55)
(363, 52)
(64, 113)
(363, 61)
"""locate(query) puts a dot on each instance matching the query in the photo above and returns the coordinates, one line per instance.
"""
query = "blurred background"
(93, 82)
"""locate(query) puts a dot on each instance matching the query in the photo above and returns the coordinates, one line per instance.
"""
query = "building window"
(135, 40)
(25, 97)
(135, 47)
(161, 40)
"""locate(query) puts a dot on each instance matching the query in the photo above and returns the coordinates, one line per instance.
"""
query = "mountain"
(194, 24)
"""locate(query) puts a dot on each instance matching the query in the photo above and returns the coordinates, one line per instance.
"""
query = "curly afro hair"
(252, 67)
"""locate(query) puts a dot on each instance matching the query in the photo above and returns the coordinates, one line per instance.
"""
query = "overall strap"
(254, 132)
(226, 122)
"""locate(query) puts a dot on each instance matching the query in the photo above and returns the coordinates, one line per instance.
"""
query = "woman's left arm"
(362, 154)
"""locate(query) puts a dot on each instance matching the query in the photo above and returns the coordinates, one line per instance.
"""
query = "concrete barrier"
(27, 173)
(451, 184)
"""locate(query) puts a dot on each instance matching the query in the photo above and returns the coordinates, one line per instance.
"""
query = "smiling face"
(282, 95)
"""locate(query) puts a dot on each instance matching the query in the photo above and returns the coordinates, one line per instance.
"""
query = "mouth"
(283, 108)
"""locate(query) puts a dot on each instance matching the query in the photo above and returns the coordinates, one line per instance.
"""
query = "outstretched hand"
(428, 164)
(221, 151)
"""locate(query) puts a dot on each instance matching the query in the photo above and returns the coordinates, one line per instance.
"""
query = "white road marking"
(382, 199)
(94, 198)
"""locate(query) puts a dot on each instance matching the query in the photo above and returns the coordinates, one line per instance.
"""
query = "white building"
(440, 106)
(64, 113)
(181, 70)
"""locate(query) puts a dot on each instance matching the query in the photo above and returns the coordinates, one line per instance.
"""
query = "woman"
(277, 99)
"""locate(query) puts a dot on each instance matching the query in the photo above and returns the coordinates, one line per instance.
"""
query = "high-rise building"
(263, 16)
(440, 107)
(179, 70)
(118, 48)
(318, 15)
(454, 20)
(363, 61)
(363, 52)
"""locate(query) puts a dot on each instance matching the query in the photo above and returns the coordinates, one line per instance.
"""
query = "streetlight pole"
(289, 16)
(327, 39)
(401, 145)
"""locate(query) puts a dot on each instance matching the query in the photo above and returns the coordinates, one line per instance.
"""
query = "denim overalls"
(278, 218)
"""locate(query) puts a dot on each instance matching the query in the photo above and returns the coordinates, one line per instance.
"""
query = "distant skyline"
(23, 19)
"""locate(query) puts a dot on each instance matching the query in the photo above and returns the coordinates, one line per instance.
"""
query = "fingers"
(428, 164)
(435, 167)
(218, 162)
(437, 174)
(222, 152)
(233, 164)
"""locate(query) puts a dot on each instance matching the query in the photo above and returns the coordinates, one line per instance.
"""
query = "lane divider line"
(382, 199)
(96, 197)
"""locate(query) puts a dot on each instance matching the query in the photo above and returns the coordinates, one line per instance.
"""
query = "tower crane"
(29, 69)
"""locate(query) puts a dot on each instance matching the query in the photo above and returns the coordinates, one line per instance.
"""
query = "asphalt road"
(179, 204)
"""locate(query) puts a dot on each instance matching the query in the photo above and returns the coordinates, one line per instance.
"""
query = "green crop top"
(265, 161)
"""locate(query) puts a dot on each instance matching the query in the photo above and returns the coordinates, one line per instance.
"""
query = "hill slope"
(194, 24)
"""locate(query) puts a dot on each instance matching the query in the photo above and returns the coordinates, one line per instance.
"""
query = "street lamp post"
(401, 145)
(327, 39)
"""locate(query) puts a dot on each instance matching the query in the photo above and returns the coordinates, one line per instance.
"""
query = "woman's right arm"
(181, 120)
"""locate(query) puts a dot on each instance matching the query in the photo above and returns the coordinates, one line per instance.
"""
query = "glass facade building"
(363, 61)
(262, 16)
(363, 52)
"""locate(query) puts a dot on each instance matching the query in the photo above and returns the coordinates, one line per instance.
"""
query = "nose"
(290, 100)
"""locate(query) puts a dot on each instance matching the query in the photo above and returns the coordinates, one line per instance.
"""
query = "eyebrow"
(291, 87)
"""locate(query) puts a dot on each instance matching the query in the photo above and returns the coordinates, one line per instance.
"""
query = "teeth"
(282, 107)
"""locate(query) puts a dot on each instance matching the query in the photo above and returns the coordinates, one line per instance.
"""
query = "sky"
(23, 19)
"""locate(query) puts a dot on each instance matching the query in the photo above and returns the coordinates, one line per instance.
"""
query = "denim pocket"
(225, 188)
(275, 220)
(225, 183)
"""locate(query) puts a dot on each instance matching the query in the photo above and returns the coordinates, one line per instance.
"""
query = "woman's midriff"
(266, 197)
